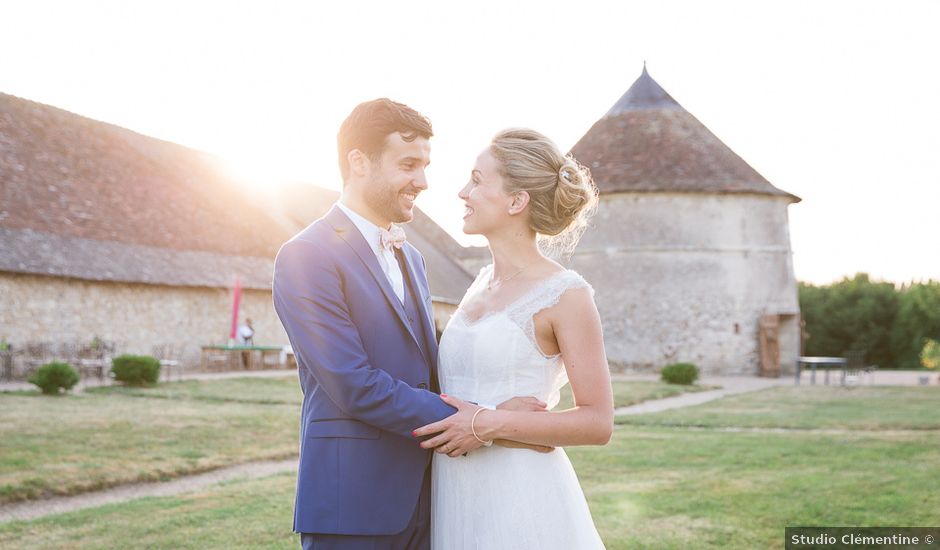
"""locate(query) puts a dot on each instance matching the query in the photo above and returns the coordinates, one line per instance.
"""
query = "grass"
(284, 390)
(809, 407)
(115, 434)
(678, 488)
(70, 444)
(237, 514)
(658, 484)
(651, 487)
(631, 392)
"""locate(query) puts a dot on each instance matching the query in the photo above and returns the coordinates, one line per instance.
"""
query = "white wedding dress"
(498, 498)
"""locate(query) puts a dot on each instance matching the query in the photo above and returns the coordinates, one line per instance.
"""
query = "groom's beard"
(386, 201)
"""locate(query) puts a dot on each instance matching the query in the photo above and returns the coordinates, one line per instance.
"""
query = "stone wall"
(135, 316)
(686, 277)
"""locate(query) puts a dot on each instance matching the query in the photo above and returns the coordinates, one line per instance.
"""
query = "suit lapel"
(347, 231)
(427, 318)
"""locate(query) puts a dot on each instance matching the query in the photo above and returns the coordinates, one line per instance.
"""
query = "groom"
(354, 300)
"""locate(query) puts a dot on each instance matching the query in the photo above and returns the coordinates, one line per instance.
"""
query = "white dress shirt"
(373, 236)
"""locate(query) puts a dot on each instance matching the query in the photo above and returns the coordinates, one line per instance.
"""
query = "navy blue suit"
(366, 372)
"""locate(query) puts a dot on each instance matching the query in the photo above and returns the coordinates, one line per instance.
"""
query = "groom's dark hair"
(369, 123)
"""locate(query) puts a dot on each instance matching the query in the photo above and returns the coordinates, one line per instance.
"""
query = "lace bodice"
(496, 357)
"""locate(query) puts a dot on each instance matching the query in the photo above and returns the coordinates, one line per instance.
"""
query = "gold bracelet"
(472, 429)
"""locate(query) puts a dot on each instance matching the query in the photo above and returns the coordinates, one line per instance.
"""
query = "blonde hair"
(562, 194)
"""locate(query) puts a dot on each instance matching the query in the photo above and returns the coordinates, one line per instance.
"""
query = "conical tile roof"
(647, 142)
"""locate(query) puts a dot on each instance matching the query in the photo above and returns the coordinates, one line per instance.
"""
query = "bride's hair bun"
(562, 194)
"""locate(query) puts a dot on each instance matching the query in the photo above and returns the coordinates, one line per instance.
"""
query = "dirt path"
(57, 505)
(728, 385)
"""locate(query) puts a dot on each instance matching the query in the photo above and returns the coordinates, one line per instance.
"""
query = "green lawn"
(680, 488)
(75, 443)
(287, 390)
(661, 488)
(659, 484)
(237, 514)
(113, 435)
(805, 407)
(631, 392)
(284, 389)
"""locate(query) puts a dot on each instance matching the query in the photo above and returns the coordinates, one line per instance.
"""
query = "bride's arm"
(577, 328)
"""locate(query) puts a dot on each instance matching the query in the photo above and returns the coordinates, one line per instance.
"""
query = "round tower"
(689, 252)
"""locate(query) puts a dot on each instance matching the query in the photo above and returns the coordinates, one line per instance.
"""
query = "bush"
(918, 321)
(54, 376)
(930, 355)
(680, 373)
(136, 370)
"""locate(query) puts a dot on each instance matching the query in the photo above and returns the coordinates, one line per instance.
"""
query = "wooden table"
(256, 356)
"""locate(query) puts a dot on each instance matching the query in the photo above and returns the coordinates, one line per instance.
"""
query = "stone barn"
(689, 252)
(105, 232)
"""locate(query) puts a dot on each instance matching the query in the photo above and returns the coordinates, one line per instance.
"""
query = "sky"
(833, 101)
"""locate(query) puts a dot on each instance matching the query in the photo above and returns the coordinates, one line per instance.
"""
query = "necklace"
(490, 285)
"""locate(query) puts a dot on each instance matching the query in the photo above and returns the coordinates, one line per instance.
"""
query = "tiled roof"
(38, 253)
(68, 175)
(648, 143)
(86, 199)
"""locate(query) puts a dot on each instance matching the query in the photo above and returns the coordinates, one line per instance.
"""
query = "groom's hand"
(519, 445)
(525, 404)
(454, 436)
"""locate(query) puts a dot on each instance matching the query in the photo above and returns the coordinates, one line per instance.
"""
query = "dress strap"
(548, 292)
(544, 295)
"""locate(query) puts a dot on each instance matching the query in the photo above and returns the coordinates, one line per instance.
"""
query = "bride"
(527, 326)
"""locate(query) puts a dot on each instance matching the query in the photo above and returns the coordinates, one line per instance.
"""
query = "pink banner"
(236, 299)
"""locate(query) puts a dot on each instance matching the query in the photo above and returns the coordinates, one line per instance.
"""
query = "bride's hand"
(519, 445)
(525, 404)
(454, 436)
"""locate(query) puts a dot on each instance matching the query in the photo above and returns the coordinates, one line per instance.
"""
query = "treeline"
(889, 324)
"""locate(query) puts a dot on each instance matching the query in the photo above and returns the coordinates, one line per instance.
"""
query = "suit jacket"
(364, 376)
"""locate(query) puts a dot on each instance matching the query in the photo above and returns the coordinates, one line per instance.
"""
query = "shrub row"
(133, 370)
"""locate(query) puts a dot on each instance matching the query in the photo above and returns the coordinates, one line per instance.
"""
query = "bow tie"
(394, 237)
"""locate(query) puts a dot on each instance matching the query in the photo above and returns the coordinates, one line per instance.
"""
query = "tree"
(918, 319)
(854, 314)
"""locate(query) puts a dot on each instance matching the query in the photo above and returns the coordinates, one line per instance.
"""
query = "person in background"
(246, 333)
(245, 337)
